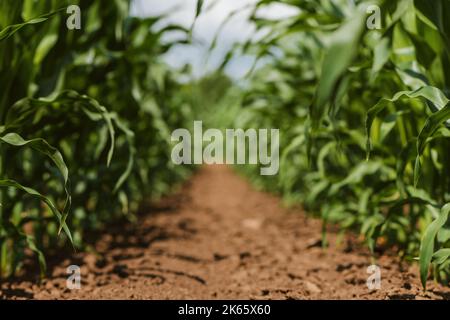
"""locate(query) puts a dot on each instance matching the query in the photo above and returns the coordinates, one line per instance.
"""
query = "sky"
(237, 30)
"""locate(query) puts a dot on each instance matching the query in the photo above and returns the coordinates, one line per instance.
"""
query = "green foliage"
(363, 116)
(427, 245)
(85, 121)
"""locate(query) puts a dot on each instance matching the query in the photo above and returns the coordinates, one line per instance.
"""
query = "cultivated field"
(336, 147)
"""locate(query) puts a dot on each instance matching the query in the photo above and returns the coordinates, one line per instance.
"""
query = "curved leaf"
(431, 125)
(68, 101)
(338, 58)
(432, 94)
(13, 184)
(440, 256)
(427, 244)
(40, 145)
(43, 147)
(10, 30)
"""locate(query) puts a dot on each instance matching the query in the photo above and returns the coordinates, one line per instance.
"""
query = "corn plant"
(364, 118)
(85, 117)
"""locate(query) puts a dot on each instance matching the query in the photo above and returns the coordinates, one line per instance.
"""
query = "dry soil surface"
(218, 238)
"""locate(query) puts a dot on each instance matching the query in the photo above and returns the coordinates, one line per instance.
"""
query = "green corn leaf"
(67, 101)
(198, 11)
(357, 174)
(13, 184)
(440, 256)
(199, 7)
(427, 243)
(381, 56)
(131, 151)
(42, 146)
(417, 170)
(44, 48)
(41, 258)
(12, 29)
(432, 94)
(434, 14)
(16, 233)
(338, 58)
(432, 124)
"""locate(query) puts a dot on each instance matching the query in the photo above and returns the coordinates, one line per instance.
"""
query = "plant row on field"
(85, 121)
(364, 118)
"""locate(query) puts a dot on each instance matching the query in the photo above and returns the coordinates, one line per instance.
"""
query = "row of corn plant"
(364, 118)
(85, 121)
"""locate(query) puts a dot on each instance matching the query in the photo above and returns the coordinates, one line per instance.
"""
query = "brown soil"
(220, 239)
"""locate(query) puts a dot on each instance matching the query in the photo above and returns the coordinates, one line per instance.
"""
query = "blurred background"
(235, 29)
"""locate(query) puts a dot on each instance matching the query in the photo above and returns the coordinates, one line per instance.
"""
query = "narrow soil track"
(220, 239)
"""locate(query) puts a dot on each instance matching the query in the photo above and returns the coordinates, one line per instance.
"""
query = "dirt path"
(223, 240)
